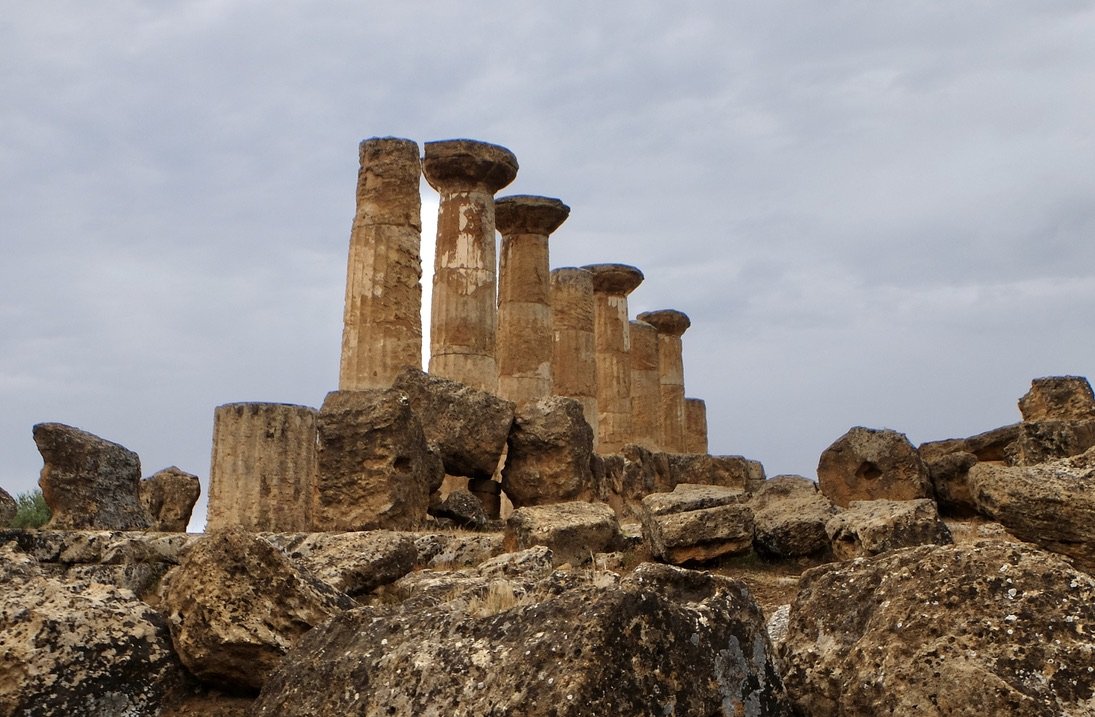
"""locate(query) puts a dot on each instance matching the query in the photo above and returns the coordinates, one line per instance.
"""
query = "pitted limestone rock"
(872, 464)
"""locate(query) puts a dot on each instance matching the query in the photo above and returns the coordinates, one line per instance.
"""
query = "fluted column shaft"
(382, 320)
(695, 426)
(464, 311)
(670, 325)
(645, 385)
(573, 361)
(524, 295)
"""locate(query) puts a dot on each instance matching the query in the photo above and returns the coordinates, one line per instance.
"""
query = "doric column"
(670, 325)
(263, 468)
(645, 382)
(382, 321)
(524, 295)
(464, 312)
(573, 362)
(612, 336)
(695, 425)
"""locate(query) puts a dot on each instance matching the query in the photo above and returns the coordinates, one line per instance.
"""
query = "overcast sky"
(875, 213)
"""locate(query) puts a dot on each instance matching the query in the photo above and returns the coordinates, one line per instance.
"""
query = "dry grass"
(500, 596)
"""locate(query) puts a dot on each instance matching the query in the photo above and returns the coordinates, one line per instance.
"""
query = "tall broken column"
(524, 295)
(695, 425)
(573, 360)
(611, 285)
(671, 325)
(263, 467)
(466, 174)
(382, 320)
(645, 385)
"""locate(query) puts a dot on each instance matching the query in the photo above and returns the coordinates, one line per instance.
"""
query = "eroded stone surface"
(789, 515)
(463, 508)
(727, 471)
(1049, 440)
(353, 563)
(988, 628)
(573, 363)
(550, 449)
(670, 325)
(872, 464)
(8, 508)
(695, 425)
(871, 527)
(696, 523)
(645, 386)
(573, 531)
(1055, 398)
(168, 496)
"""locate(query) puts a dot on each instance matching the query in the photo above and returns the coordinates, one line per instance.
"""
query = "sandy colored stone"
(645, 386)
(550, 454)
(87, 481)
(573, 360)
(1049, 440)
(1056, 398)
(236, 604)
(671, 325)
(661, 641)
(623, 479)
(871, 527)
(352, 563)
(1052, 504)
(263, 467)
(374, 466)
(612, 343)
(524, 295)
(463, 508)
(789, 516)
(382, 321)
(696, 523)
(695, 425)
(453, 550)
(8, 508)
(168, 496)
(735, 472)
(464, 314)
(988, 628)
(872, 464)
(572, 531)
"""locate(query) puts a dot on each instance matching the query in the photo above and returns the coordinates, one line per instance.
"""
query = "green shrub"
(31, 510)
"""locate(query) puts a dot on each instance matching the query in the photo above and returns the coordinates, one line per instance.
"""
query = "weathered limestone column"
(612, 336)
(645, 385)
(695, 425)
(524, 295)
(671, 325)
(573, 363)
(263, 468)
(382, 321)
(465, 312)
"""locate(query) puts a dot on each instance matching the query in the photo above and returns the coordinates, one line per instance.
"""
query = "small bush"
(31, 510)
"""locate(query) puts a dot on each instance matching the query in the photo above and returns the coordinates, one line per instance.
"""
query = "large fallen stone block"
(789, 517)
(374, 468)
(550, 451)
(623, 479)
(168, 496)
(872, 464)
(467, 427)
(353, 563)
(949, 461)
(573, 531)
(1058, 398)
(1052, 504)
(79, 649)
(662, 641)
(695, 523)
(728, 471)
(236, 604)
(988, 628)
(1049, 440)
(871, 527)
(88, 482)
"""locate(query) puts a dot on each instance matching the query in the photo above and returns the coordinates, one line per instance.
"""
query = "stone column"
(670, 325)
(573, 363)
(382, 321)
(464, 312)
(645, 382)
(524, 301)
(612, 336)
(695, 425)
(263, 468)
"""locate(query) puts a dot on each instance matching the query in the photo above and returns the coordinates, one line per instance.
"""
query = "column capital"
(528, 214)
(461, 164)
(667, 321)
(615, 279)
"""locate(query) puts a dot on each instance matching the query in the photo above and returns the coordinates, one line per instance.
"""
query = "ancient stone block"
(990, 628)
(871, 527)
(8, 508)
(573, 362)
(789, 517)
(236, 604)
(623, 479)
(168, 496)
(1058, 398)
(645, 385)
(728, 471)
(352, 563)
(671, 325)
(573, 531)
(467, 427)
(374, 467)
(489, 494)
(696, 523)
(1048, 440)
(263, 468)
(695, 425)
(88, 482)
(463, 508)
(872, 464)
(550, 449)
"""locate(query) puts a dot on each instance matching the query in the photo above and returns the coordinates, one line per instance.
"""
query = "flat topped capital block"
(667, 321)
(455, 164)
(615, 279)
(387, 183)
(528, 214)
